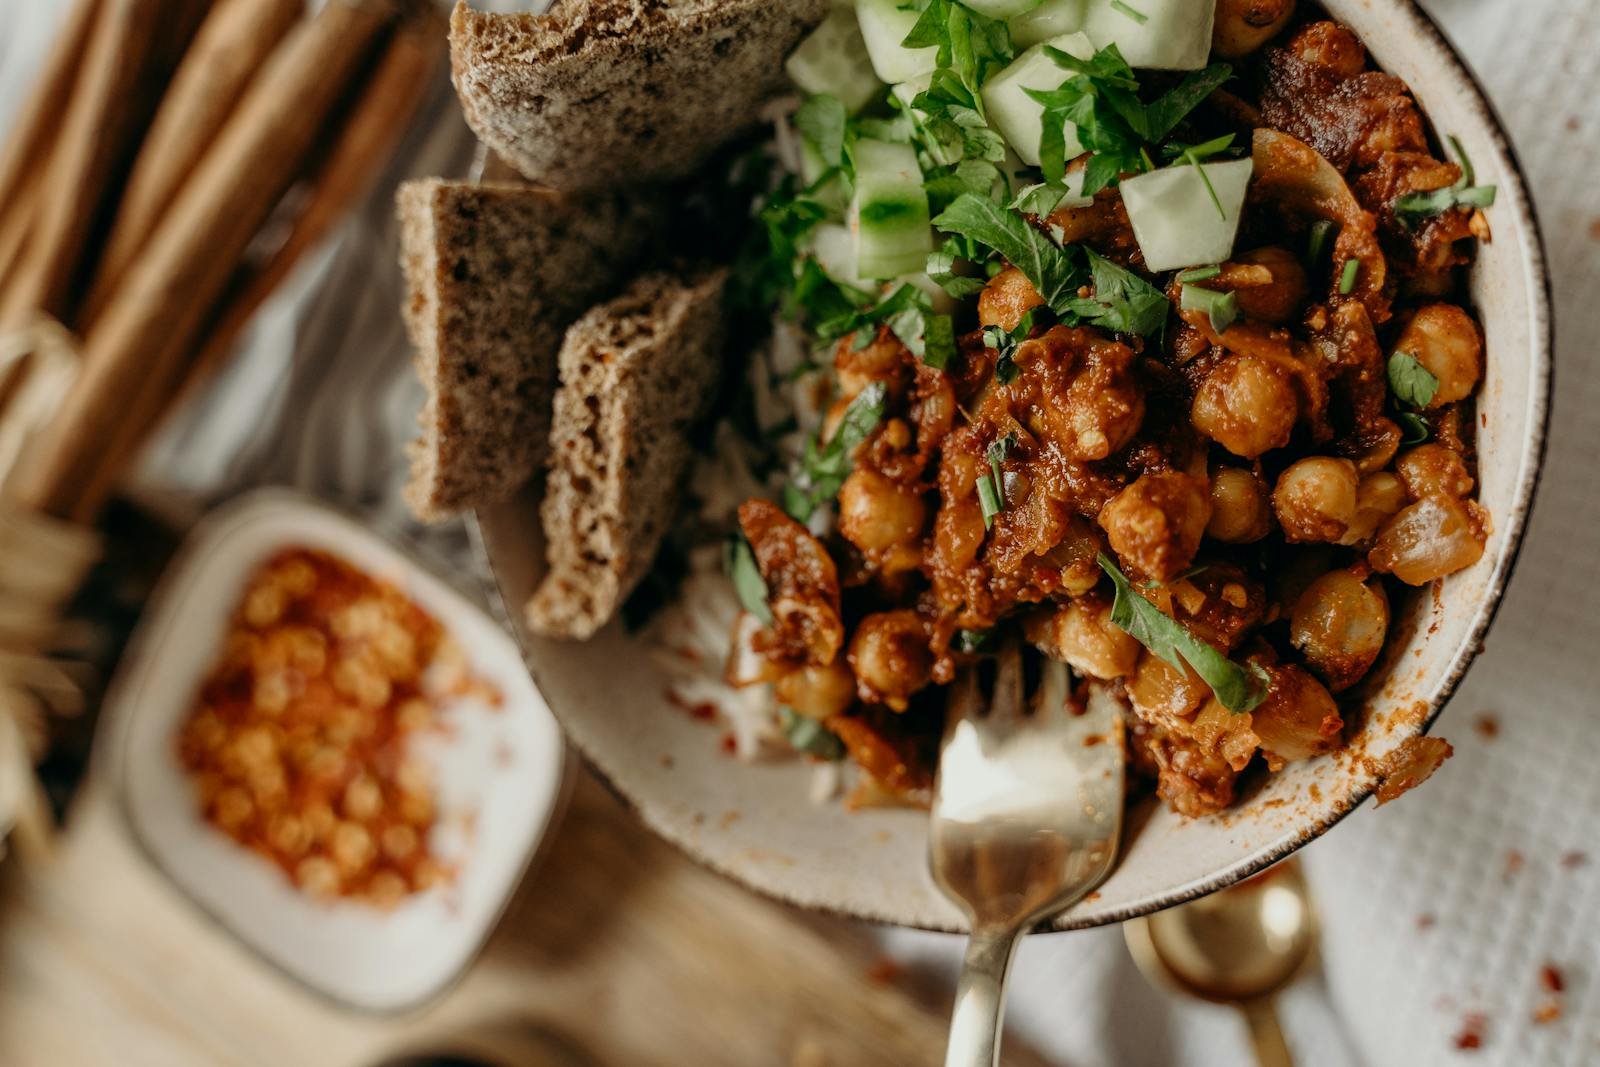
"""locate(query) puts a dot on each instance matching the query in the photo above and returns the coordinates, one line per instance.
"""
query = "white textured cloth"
(1428, 917)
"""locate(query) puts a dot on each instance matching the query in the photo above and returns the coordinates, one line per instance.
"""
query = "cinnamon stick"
(31, 136)
(362, 148)
(234, 41)
(139, 340)
(92, 133)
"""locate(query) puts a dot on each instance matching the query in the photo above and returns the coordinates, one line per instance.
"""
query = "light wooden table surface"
(615, 940)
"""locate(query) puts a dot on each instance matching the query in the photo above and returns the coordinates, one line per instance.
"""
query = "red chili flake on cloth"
(1472, 1031)
(1575, 859)
(1547, 1013)
(1551, 979)
(1488, 726)
(1515, 861)
(1425, 922)
(884, 971)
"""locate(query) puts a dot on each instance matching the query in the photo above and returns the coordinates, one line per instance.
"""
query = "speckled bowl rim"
(1513, 194)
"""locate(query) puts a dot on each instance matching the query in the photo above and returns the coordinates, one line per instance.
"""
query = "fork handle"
(981, 998)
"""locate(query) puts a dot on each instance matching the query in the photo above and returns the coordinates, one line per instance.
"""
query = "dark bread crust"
(636, 374)
(599, 92)
(494, 276)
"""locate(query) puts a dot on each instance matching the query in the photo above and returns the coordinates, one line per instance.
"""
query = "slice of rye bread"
(494, 276)
(599, 91)
(636, 373)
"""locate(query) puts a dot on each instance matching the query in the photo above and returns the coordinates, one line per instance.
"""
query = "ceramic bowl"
(754, 822)
(498, 771)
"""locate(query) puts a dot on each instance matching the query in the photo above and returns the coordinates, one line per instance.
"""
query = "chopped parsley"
(1237, 687)
(823, 468)
(810, 736)
(1222, 308)
(1412, 208)
(739, 560)
(821, 120)
(1101, 100)
(1410, 381)
(942, 269)
(1414, 428)
(1122, 302)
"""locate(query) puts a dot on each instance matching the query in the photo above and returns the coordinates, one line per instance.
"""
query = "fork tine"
(1007, 701)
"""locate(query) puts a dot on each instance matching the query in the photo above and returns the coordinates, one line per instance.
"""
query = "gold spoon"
(1239, 946)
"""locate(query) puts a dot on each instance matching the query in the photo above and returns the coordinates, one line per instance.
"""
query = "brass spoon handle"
(981, 998)
(1266, 1036)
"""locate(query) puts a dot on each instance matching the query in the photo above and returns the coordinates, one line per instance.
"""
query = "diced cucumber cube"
(832, 194)
(1001, 9)
(884, 24)
(833, 246)
(890, 212)
(1174, 218)
(834, 60)
(1053, 18)
(1019, 117)
(1174, 35)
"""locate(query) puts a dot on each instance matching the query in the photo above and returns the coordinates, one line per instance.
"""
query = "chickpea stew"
(1140, 330)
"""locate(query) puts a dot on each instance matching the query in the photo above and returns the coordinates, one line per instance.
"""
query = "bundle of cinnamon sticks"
(176, 161)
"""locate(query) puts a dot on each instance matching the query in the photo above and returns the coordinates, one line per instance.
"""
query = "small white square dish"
(497, 770)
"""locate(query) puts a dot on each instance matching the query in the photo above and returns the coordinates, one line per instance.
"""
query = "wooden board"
(616, 942)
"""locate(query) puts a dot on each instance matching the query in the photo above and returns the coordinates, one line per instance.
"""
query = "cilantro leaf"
(824, 468)
(1411, 382)
(1173, 106)
(1044, 263)
(941, 267)
(1239, 688)
(1416, 430)
(810, 736)
(1123, 302)
(739, 560)
(1412, 208)
(939, 341)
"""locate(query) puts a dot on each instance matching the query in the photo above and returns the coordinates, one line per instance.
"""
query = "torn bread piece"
(643, 89)
(636, 373)
(494, 276)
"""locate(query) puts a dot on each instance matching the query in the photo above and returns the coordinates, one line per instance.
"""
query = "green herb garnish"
(1412, 208)
(1317, 238)
(1200, 274)
(992, 486)
(1416, 430)
(1138, 16)
(1044, 263)
(1123, 302)
(1101, 100)
(1237, 687)
(824, 468)
(973, 641)
(821, 121)
(1410, 381)
(1348, 276)
(1221, 308)
(739, 560)
(810, 736)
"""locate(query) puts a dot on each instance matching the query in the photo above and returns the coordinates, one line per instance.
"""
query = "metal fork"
(1027, 812)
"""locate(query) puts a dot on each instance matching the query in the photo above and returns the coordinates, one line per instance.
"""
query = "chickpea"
(1298, 719)
(1445, 340)
(817, 692)
(1243, 26)
(1315, 499)
(876, 514)
(1339, 624)
(1240, 512)
(1433, 470)
(1436, 536)
(858, 368)
(1247, 405)
(1102, 408)
(1007, 298)
(1280, 299)
(891, 658)
(1161, 692)
(1083, 635)
(1155, 524)
(1379, 496)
